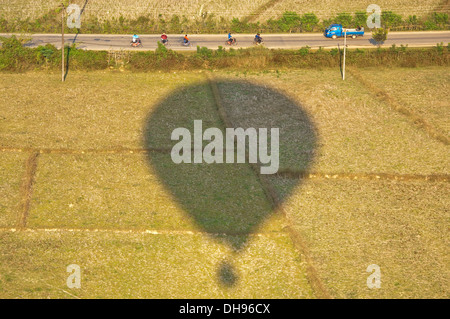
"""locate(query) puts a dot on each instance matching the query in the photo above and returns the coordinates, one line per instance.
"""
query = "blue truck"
(337, 30)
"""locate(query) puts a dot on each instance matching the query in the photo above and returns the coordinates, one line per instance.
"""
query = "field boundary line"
(410, 114)
(364, 176)
(285, 173)
(138, 231)
(85, 151)
(261, 9)
(26, 188)
(312, 274)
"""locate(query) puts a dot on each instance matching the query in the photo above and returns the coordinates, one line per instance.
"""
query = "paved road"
(213, 41)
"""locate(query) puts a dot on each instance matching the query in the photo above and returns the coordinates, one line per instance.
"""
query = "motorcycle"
(258, 41)
(231, 41)
(136, 44)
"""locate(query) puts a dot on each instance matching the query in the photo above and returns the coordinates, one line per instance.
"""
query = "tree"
(345, 19)
(391, 19)
(360, 19)
(288, 21)
(412, 21)
(175, 24)
(380, 35)
(309, 21)
(238, 26)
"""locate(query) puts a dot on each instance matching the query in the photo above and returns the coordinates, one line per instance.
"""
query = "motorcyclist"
(136, 39)
(231, 40)
(164, 39)
(258, 38)
(186, 39)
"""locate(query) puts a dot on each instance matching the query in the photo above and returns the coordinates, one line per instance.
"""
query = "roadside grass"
(16, 58)
(11, 174)
(423, 90)
(355, 131)
(33, 265)
(349, 225)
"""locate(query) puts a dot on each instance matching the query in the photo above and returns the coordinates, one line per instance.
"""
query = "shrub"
(238, 26)
(204, 52)
(391, 19)
(431, 25)
(360, 19)
(46, 52)
(440, 48)
(161, 50)
(380, 35)
(13, 56)
(309, 22)
(289, 21)
(436, 21)
(345, 19)
(304, 51)
(334, 52)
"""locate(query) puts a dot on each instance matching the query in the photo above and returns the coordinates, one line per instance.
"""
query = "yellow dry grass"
(12, 170)
(326, 9)
(425, 91)
(347, 225)
(33, 265)
(93, 110)
(356, 132)
(401, 227)
(193, 9)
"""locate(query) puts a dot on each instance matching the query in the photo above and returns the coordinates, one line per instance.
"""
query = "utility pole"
(62, 42)
(345, 47)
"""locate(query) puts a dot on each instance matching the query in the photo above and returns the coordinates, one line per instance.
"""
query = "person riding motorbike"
(185, 40)
(230, 40)
(258, 38)
(164, 39)
(136, 40)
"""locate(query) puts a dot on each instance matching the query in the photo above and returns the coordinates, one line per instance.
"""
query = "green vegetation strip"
(15, 57)
(288, 21)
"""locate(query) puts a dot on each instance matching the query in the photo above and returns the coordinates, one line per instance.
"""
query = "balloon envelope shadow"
(227, 200)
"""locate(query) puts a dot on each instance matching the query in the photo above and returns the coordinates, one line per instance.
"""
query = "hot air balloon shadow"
(227, 201)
